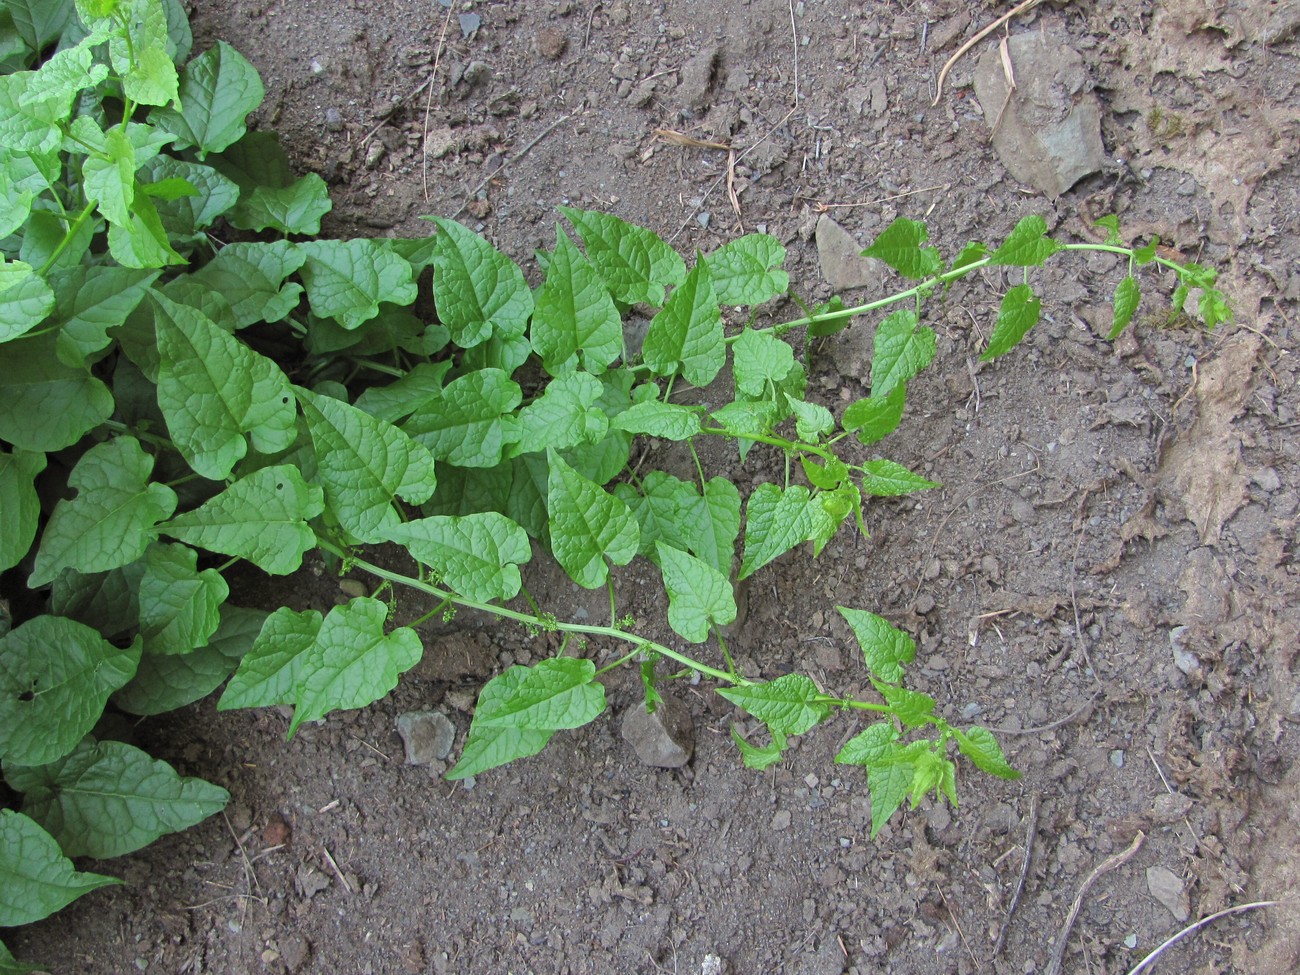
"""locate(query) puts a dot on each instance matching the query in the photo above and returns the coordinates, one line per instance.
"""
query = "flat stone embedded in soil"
(1048, 132)
(840, 257)
(426, 735)
(664, 739)
(1166, 887)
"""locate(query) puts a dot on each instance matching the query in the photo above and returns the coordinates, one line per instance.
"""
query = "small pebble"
(1117, 758)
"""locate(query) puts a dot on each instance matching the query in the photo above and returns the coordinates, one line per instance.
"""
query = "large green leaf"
(25, 299)
(55, 675)
(188, 196)
(698, 594)
(143, 60)
(270, 670)
(1018, 314)
(873, 418)
(777, 520)
(635, 264)
(180, 607)
(713, 523)
(109, 798)
(44, 404)
(30, 116)
(885, 647)
(789, 705)
(1028, 244)
(347, 279)
(555, 694)
(252, 277)
(565, 415)
(292, 209)
(902, 348)
(213, 390)
(747, 270)
(662, 508)
(261, 517)
(477, 555)
(575, 314)
(979, 745)
(759, 357)
(363, 463)
(218, 89)
(587, 525)
(887, 479)
(477, 290)
(36, 879)
(472, 422)
(20, 507)
(39, 22)
(686, 335)
(486, 748)
(165, 682)
(899, 246)
(90, 301)
(671, 421)
(113, 517)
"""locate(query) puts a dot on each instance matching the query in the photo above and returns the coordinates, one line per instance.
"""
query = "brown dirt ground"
(1098, 498)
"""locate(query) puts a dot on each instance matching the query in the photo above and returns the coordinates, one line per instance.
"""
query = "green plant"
(171, 404)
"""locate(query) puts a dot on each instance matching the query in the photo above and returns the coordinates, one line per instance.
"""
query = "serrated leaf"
(25, 299)
(347, 279)
(565, 415)
(555, 694)
(180, 607)
(108, 798)
(292, 209)
(788, 705)
(55, 676)
(487, 748)
(477, 555)
(363, 462)
(1018, 314)
(912, 708)
(477, 290)
(166, 682)
(686, 335)
(759, 758)
(113, 517)
(899, 246)
(218, 89)
(472, 422)
(29, 117)
(252, 277)
(44, 404)
(901, 349)
(979, 745)
(671, 421)
(812, 420)
(214, 390)
(1110, 223)
(759, 357)
(698, 594)
(1027, 246)
(931, 770)
(827, 476)
(1147, 253)
(747, 270)
(888, 786)
(876, 745)
(575, 314)
(635, 264)
(90, 301)
(777, 520)
(261, 517)
(1127, 297)
(661, 508)
(189, 197)
(20, 507)
(36, 879)
(873, 418)
(143, 61)
(587, 525)
(887, 479)
(885, 647)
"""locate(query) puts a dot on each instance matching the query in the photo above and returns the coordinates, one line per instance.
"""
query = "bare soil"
(1108, 576)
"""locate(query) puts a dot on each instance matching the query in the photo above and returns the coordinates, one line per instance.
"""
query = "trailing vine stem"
(641, 644)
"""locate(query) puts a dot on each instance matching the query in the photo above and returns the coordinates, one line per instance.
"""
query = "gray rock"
(1168, 889)
(1048, 133)
(840, 256)
(664, 739)
(426, 735)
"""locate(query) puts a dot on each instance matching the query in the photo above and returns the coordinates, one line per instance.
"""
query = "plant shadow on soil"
(1113, 545)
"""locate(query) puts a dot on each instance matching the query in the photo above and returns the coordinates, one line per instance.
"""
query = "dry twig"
(1030, 832)
(1015, 11)
(428, 102)
(1149, 959)
(1106, 866)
